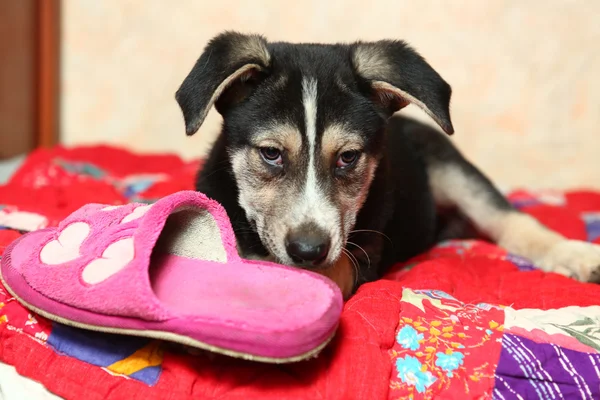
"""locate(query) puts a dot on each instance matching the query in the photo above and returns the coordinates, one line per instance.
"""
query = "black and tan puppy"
(315, 170)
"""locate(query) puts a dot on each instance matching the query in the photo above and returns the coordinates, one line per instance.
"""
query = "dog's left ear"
(398, 76)
(223, 75)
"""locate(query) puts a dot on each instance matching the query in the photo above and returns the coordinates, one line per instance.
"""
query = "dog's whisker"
(364, 251)
(371, 231)
(354, 262)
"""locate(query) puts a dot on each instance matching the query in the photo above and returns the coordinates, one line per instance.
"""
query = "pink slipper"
(171, 271)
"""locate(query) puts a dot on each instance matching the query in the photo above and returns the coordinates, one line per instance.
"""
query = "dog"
(316, 170)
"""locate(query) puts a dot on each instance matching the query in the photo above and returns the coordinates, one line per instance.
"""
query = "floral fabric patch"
(444, 346)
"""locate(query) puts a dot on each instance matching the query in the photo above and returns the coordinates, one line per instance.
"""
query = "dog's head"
(305, 126)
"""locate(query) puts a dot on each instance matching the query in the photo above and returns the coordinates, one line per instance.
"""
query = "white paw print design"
(67, 247)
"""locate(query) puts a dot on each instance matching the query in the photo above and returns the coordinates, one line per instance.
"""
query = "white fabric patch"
(22, 220)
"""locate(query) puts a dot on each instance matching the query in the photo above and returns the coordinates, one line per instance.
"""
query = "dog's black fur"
(401, 215)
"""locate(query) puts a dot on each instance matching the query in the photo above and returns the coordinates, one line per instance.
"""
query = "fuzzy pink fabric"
(94, 269)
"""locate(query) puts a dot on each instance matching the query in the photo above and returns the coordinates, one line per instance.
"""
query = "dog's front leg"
(458, 183)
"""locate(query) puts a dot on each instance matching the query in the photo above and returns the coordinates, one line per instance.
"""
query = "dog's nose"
(308, 245)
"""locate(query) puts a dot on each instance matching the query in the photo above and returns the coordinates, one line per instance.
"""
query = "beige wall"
(526, 74)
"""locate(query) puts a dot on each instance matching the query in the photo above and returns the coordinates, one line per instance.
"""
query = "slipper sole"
(172, 337)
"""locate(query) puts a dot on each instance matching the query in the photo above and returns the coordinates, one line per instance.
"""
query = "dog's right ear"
(228, 59)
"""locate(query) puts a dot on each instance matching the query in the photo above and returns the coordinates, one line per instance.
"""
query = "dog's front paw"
(576, 259)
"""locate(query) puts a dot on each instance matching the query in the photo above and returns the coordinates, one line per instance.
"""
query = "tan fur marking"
(353, 202)
(407, 97)
(518, 233)
(370, 62)
(250, 47)
(336, 138)
(224, 85)
(257, 193)
(248, 167)
(280, 136)
(524, 235)
(342, 273)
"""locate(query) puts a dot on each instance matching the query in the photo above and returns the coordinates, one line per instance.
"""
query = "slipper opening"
(184, 259)
(190, 275)
(191, 232)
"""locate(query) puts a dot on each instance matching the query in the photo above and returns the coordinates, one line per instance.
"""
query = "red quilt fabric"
(367, 358)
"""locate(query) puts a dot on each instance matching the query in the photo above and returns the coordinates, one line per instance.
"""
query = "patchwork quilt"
(465, 320)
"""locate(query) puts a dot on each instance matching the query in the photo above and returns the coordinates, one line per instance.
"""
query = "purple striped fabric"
(529, 370)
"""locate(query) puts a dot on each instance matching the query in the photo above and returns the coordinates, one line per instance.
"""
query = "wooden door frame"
(29, 75)
(48, 13)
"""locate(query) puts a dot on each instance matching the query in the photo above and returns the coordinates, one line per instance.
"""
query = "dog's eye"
(271, 155)
(347, 159)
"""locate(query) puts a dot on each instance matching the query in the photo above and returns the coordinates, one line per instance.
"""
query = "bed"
(466, 320)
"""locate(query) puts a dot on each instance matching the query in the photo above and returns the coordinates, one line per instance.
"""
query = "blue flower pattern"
(408, 338)
(449, 361)
(410, 372)
(430, 351)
